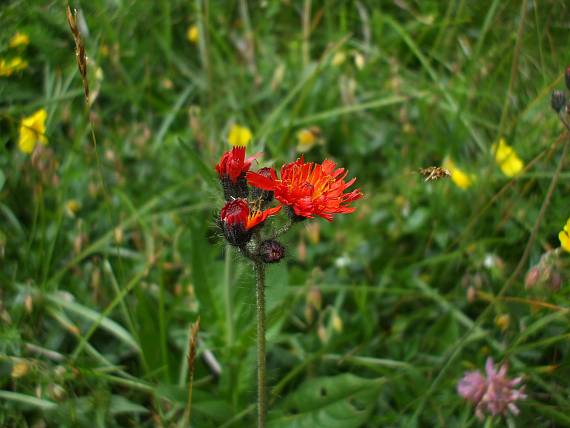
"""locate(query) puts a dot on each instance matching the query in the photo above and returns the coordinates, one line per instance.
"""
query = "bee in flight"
(432, 173)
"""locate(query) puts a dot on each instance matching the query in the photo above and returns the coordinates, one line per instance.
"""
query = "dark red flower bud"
(266, 196)
(231, 170)
(557, 101)
(234, 222)
(238, 221)
(271, 251)
(567, 77)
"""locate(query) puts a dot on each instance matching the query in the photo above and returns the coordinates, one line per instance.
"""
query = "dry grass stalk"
(192, 346)
(79, 51)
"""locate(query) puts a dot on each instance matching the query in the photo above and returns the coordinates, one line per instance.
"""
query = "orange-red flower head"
(231, 170)
(233, 164)
(309, 188)
(238, 220)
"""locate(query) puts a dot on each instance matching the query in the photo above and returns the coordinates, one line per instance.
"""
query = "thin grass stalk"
(192, 346)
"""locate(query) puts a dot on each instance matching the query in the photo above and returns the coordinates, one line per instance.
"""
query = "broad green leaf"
(342, 401)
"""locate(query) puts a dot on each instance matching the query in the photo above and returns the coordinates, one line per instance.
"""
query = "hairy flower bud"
(237, 189)
(238, 219)
(558, 100)
(271, 251)
(234, 222)
(567, 77)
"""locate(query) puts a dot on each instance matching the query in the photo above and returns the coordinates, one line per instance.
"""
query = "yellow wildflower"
(19, 39)
(307, 138)
(193, 34)
(564, 237)
(459, 177)
(239, 136)
(507, 159)
(9, 67)
(32, 130)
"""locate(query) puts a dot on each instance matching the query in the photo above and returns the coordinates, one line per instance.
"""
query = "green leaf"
(28, 399)
(2, 179)
(120, 404)
(342, 401)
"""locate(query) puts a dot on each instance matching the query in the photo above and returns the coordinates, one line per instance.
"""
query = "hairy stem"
(261, 387)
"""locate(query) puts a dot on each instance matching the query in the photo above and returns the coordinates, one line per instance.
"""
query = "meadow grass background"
(110, 251)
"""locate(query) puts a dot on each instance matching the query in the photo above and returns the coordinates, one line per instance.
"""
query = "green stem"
(261, 387)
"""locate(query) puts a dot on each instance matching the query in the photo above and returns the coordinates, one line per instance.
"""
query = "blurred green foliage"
(109, 248)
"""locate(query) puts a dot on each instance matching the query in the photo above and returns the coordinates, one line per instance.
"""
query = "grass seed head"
(79, 50)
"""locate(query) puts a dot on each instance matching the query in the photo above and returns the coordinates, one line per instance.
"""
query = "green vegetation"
(109, 248)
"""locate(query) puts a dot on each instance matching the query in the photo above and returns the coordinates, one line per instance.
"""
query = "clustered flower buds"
(307, 189)
(494, 393)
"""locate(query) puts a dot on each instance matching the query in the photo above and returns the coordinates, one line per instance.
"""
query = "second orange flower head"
(309, 188)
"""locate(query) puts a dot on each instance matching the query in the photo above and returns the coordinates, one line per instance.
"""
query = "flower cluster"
(307, 189)
(494, 393)
(505, 157)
